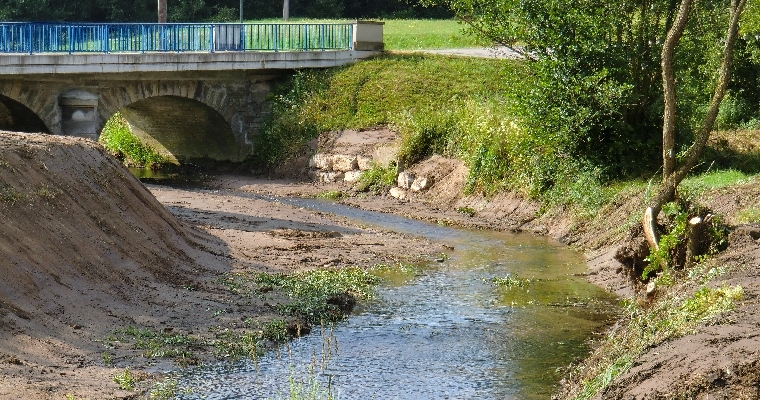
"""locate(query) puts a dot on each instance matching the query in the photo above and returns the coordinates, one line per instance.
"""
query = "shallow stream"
(444, 331)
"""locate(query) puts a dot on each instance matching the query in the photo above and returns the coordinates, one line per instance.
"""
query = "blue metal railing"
(32, 38)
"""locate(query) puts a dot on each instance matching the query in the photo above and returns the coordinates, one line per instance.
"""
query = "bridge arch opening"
(182, 130)
(17, 117)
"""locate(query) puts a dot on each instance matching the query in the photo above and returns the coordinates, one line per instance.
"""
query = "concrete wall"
(228, 107)
(368, 36)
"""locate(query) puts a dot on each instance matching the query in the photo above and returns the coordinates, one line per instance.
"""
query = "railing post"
(31, 51)
(71, 39)
(108, 47)
(323, 28)
(276, 36)
(211, 38)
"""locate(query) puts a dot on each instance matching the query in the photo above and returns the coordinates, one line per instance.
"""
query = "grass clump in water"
(316, 296)
(160, 344)
(119, 140)
(509, 282)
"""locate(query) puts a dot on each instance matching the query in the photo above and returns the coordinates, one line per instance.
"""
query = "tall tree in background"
(161, 11)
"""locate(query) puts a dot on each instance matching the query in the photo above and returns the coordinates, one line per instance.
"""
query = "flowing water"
(443, 332)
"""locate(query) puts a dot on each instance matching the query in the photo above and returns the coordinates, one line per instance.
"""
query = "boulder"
(352, 176)
(398, 193)
(364, 163)
(421, 183)
(405, 180)
(321, 161)
(325, 176)
(344, 163)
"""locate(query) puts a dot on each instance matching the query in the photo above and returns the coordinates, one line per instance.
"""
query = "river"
(441, 330)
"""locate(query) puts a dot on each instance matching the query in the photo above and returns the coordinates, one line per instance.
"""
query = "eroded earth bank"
(88, 251)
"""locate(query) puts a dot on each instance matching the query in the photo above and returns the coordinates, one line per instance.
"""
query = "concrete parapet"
(368, 36)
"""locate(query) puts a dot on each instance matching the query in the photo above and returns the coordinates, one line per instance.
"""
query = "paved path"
(500, 52)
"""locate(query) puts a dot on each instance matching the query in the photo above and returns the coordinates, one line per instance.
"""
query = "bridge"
(195, 91)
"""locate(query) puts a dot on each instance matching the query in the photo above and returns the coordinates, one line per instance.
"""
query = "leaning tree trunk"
(672, 177)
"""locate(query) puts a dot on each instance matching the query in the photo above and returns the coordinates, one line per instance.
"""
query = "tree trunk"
(161, 11)
(286, 10)
(672, 179)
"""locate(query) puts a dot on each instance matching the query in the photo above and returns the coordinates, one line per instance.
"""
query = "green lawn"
(414, 34)
(410, 34)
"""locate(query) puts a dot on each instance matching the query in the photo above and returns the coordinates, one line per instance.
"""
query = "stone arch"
(183, 129)
(17, 117)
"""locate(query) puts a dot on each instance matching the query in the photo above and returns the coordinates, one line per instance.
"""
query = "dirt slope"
(86, 249)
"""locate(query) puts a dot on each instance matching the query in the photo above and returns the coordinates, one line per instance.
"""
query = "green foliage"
(125, 380)
(117, 139)
(377, 179)
(207, 10)
(595, 94)
(276, 331)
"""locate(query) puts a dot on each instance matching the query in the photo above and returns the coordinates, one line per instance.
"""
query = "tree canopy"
(597, 93)
(208, 10)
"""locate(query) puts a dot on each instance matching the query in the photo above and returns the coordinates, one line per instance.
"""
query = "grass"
(118, 140)
(125, 380)
(377, 179)
(416, 34)
(677, 314)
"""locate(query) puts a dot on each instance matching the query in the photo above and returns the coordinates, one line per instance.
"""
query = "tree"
(672, 176)
(161, 11)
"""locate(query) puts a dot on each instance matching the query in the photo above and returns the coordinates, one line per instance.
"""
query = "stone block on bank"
(344, 163)
(325, 176)
(405, 180)
(352, 176)
(398, 193)
(364, 163)
(421, 183)
(321, 161)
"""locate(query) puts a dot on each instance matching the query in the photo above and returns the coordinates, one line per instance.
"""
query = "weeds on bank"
(330, 195)
(377, 179)
(668, 318)
(125, 380)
